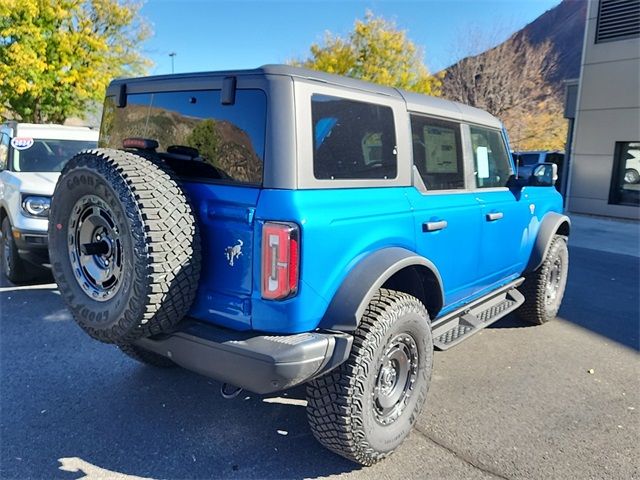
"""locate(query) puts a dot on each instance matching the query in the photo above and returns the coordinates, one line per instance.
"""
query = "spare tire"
(124, 245)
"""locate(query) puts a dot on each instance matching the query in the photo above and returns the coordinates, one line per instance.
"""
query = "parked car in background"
(530, 159)
(31, 158)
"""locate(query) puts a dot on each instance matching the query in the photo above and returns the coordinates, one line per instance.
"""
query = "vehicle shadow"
(75, 408)
(601, 296)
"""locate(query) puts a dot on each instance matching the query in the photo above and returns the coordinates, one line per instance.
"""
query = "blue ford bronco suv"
(279, 226)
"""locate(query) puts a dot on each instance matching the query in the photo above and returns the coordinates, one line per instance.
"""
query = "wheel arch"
(395, 268)
(552, 224)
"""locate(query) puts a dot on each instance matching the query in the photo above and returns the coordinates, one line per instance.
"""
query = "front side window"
(352, 140)
(625, 184)
(491, 160)
(47, 155)
(227, 142)
(437, 153)
(4, 150)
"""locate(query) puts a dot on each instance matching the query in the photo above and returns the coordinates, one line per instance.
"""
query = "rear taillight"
(280, 260)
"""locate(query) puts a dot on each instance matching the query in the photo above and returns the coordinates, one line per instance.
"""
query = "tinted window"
(491, 160)
(437, 153)
(352, 140)
(196, 133)
(528, 158)
(46, 155)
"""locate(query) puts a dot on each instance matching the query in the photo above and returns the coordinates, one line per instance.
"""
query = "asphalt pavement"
(560, 400)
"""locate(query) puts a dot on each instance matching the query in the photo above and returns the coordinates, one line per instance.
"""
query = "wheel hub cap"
(553, 283)
(95, 248)
(395, 379)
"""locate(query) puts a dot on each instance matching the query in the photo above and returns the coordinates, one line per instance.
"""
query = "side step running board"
(460, 324)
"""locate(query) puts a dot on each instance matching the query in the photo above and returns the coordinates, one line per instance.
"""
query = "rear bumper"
(258, 363)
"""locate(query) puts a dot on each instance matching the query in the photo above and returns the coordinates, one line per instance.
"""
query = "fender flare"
(551, 224)
(361, 283)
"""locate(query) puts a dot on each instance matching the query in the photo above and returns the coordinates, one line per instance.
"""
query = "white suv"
(31, 158)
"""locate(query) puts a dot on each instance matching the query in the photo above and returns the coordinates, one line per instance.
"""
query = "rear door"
(446, 213)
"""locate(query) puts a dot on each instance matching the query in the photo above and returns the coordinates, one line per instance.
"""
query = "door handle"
(434, 226)
(492, 217)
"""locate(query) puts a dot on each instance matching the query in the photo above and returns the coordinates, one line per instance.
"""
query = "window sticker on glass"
(22, 143)
(482, 156)
(440, 150)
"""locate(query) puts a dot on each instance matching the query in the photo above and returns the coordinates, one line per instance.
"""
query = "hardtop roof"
(415, 102)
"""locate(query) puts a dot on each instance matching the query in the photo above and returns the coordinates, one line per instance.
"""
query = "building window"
(625, 183)
(618, 20)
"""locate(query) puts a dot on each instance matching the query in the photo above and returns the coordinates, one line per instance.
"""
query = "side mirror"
(544, 175)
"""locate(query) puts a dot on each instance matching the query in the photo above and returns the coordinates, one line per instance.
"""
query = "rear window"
(528, 158)
(47, 155)
(352, 140)
(198, 135)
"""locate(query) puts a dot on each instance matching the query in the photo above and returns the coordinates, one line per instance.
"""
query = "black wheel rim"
(95, 248)
(396, 378)
(554, 280)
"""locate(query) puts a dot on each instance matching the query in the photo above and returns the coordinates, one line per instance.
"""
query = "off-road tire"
(15, 269)
(159, 238)
(340, 405)
(145, 356)
(536, 309)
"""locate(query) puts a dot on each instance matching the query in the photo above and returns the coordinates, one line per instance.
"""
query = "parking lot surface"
(560, 400)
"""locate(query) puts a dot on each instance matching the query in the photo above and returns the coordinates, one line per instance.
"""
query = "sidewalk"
(605, 234)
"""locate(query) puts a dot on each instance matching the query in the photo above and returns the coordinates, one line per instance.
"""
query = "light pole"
(173, 56)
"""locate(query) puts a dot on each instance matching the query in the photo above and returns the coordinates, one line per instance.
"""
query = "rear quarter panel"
(338, 228)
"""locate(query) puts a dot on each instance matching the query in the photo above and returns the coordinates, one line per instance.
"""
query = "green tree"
(58, 56)
(206, 138)
(376, 51)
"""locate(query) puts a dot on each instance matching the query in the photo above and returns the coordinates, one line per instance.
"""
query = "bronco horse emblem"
(233, 252)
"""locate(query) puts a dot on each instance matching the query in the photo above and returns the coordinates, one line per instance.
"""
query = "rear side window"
(437, 153)
(196, 134)
(491, 160)
(352, 140)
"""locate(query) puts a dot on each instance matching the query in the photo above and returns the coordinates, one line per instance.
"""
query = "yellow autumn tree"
(58, 56)
(540, 126)
(376, 51)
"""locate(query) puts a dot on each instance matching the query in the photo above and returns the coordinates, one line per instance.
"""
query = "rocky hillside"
(563, 27)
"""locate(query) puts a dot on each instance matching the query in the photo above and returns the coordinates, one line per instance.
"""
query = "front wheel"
(543, 288)
(365, 408)
(15, 269)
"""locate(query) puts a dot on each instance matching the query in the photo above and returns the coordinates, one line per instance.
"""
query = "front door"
(504, 215)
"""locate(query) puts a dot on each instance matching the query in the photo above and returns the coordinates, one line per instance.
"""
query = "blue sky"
(216, 34)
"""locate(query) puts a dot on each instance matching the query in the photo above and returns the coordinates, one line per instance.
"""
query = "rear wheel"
(365, 408)
(543, 288)
(15, 269)
(124, 245)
